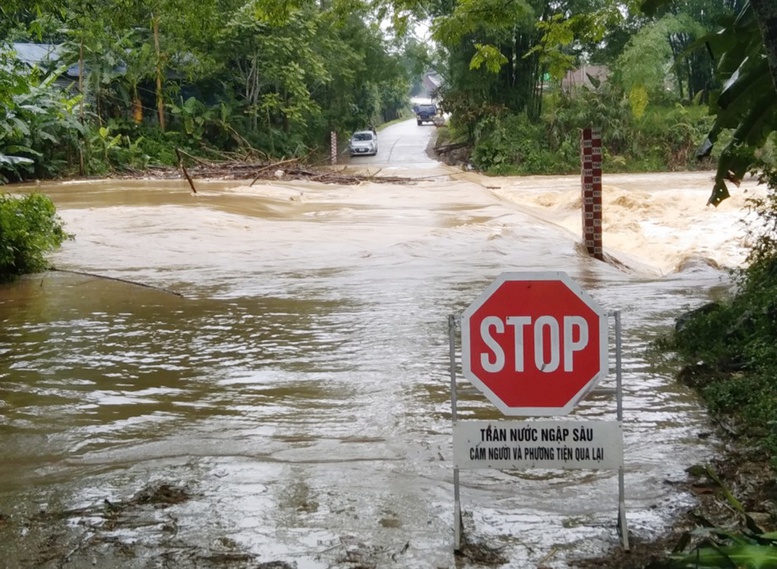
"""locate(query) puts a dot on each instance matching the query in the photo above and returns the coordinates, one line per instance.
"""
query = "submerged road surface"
(275, 387)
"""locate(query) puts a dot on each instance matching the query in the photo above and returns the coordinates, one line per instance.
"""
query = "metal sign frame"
(454, 322)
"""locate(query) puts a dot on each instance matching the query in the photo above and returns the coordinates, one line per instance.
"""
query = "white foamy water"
(659, 220)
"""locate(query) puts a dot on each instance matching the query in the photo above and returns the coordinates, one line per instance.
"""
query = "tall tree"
(491, 65)
(266, 52)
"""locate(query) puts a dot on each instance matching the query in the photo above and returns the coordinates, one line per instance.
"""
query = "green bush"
(728, 350)
(29, 228)
(671, 134)
(665, 137)
(513, 144)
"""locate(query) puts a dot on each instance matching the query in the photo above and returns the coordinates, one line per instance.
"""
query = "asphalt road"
(401, 144)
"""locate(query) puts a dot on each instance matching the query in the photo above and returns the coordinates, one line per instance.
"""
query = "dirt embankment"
(453, 154)
(739, 478)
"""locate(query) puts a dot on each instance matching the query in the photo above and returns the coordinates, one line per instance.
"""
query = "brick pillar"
(591, 164)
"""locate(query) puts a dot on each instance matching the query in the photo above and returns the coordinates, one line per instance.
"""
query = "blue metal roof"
(36, 53)
(44, 54)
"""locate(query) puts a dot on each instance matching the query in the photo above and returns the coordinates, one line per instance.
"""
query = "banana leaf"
(747, 102)
(14, 160)
(734, 557)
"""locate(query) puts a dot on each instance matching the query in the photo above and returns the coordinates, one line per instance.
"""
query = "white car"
(363, 142)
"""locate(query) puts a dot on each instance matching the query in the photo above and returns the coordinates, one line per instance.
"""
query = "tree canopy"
(744, 49)
(504, 58)
(237, 76)
(275, 77)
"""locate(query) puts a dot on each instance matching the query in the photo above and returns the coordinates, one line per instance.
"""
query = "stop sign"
(534, 343)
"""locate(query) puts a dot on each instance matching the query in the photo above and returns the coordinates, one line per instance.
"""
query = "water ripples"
(302, 381)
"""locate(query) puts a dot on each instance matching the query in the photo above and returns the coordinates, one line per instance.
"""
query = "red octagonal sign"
(534, 343)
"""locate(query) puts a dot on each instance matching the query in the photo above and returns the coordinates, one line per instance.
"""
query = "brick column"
(591, 165)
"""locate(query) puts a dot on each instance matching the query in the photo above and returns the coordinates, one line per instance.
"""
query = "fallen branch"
(198, 160)
(239, 170)
(270, 166)
(185, 173)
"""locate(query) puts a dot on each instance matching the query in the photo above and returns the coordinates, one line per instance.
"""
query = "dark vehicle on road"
(425, 113)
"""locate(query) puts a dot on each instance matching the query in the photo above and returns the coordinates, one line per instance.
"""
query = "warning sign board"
(568, 445)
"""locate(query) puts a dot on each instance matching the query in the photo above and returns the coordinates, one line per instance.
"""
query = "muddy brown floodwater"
(273, 389)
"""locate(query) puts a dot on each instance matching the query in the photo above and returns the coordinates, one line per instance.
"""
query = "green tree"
(745, 51)
(275, 67)
(269, 75)
(490, 61)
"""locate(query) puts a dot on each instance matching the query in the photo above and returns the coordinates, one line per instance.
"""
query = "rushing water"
(286, 361)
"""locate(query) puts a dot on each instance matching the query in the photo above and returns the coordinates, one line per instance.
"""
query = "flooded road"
(282, 363)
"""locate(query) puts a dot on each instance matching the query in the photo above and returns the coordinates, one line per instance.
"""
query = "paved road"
(401, 145)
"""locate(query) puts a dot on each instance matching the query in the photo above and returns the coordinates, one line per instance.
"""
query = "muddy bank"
(739, 473)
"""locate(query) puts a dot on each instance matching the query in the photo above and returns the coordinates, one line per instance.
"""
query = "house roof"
(42, 54)
(36, 53)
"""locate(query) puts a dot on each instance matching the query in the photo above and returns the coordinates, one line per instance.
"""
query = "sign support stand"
(457, 525)
(622, 526)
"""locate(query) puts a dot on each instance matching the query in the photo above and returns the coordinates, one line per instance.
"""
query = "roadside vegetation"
(676, 85)
(217, 79)
(727, 351)
(29, 230)
(664, 138)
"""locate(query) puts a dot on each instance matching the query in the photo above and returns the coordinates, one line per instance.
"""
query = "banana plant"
(13, 164)
(747, 102)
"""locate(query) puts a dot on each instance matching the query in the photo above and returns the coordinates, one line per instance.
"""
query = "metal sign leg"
(623, 528)
(457, 525)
